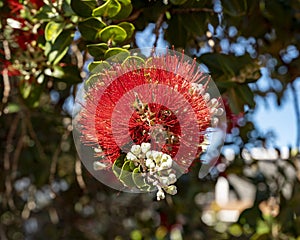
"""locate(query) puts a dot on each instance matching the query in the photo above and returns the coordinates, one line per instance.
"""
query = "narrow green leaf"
(69, 74)
(52, 30)
(60, 47)
(117, 166)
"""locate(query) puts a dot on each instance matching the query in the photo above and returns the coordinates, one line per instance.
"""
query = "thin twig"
(17, 151)
(6, 82)
(54, 163)
(34, 137)
(78, 172)
(78, 56)
(133, 16)
(158, 25)
(7, 166)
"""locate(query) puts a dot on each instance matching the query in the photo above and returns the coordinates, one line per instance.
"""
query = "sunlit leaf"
(121, 53)
(113, 33)
(60, 47)
(90, 28)
(128, 27)
(52, 30)
(109, 9)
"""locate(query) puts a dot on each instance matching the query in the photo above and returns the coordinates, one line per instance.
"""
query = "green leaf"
(176, 32)
(128, 27)
(118, 164)
(31, 93)
(67, 9)
(98, 66)
(125, 175)
(83, 8)
(60, 47)
(116, 54)
(197, 23)
(45, 14)
(133, 60)
(235, 102)
(244, 92)
(235, 8)
(90, 28)
(113, 33)
(12, 108)
(264, 236)
(109, 9)
(69, 74)
(178, 2)
(126, 9)
(98, 49)
(52, 30)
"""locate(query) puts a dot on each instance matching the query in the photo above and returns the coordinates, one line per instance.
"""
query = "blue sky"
(279, 119)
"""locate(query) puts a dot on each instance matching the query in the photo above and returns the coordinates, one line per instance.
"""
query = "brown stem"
(6, 82)
(158, 25)
(7, 165)
(33, 135)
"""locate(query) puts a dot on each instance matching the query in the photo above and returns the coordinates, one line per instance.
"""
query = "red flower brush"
(147, 119)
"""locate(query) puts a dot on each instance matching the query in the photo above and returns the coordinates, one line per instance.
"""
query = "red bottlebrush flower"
(23, 38)
(11, 71)
(162, 102)
(15, 6)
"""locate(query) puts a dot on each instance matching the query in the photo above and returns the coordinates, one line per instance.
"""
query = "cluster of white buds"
(158, 167)
(212, 103)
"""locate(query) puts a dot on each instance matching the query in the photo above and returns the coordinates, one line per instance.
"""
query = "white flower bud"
(213, 103)
(157, 156)
(165, 165)
(149, 163)
(145, 147)
(98, 166)
(213, 111)
(220, 111)
(149, 155)
(136, 149)
(164, 157)
(206, 97)
(160, 195)
(171, 190)
(172, 178)
(164, 181)
(131, 157)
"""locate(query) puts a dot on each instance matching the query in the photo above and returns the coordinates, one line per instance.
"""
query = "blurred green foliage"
(44, 50)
